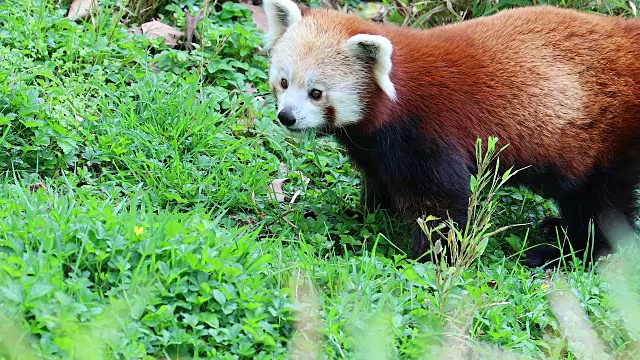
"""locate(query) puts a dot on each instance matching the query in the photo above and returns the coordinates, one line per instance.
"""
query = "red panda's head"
(321, 72)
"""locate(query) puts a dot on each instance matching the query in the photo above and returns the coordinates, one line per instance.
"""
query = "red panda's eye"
(284, 83)
(315, 94)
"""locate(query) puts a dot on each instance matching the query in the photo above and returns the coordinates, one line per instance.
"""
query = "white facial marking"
(307, 115)
(348, 105)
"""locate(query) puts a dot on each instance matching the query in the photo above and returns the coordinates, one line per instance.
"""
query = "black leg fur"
(372, 196)
(609, 191)
(409, 174)
(421, 243)
(576, 208)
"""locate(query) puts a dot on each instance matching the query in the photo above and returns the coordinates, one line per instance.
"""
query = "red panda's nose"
(286, 117)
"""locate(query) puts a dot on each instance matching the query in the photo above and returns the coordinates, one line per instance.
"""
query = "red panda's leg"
(550, 229)
(577, 208)
(587, 216)
(373, 196)
(618, 212)
(422, 175)
(422, 245)
(549, 226)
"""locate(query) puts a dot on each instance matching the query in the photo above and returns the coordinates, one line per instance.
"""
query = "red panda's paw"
(373, 197)
(550, 228)
(368, 200)
(544, 255)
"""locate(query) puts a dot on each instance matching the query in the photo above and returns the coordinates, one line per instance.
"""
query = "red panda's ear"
(375, 50)
(281, 14)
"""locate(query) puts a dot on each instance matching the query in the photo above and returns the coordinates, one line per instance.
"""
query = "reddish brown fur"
(331, 115)
(503, 82)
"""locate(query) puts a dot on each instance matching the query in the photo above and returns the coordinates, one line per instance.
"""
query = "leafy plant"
(227, 56)
(464, 246)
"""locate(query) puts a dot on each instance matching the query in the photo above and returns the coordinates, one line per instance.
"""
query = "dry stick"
(191, 24)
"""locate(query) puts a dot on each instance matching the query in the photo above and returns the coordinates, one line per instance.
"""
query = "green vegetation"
(136, 219)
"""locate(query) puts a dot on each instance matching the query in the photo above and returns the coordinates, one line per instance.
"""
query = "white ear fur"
(376, 49)
(280, 15)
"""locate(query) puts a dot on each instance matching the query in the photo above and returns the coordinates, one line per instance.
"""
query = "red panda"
(560, 86)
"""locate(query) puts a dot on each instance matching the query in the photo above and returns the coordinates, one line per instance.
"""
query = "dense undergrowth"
(136, 219)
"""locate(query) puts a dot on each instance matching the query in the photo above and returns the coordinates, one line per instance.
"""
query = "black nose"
(286, 118)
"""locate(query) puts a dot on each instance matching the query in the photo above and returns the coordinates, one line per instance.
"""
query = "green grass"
(156, 235)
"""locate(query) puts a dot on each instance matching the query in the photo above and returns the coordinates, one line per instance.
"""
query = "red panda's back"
(558, 85)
